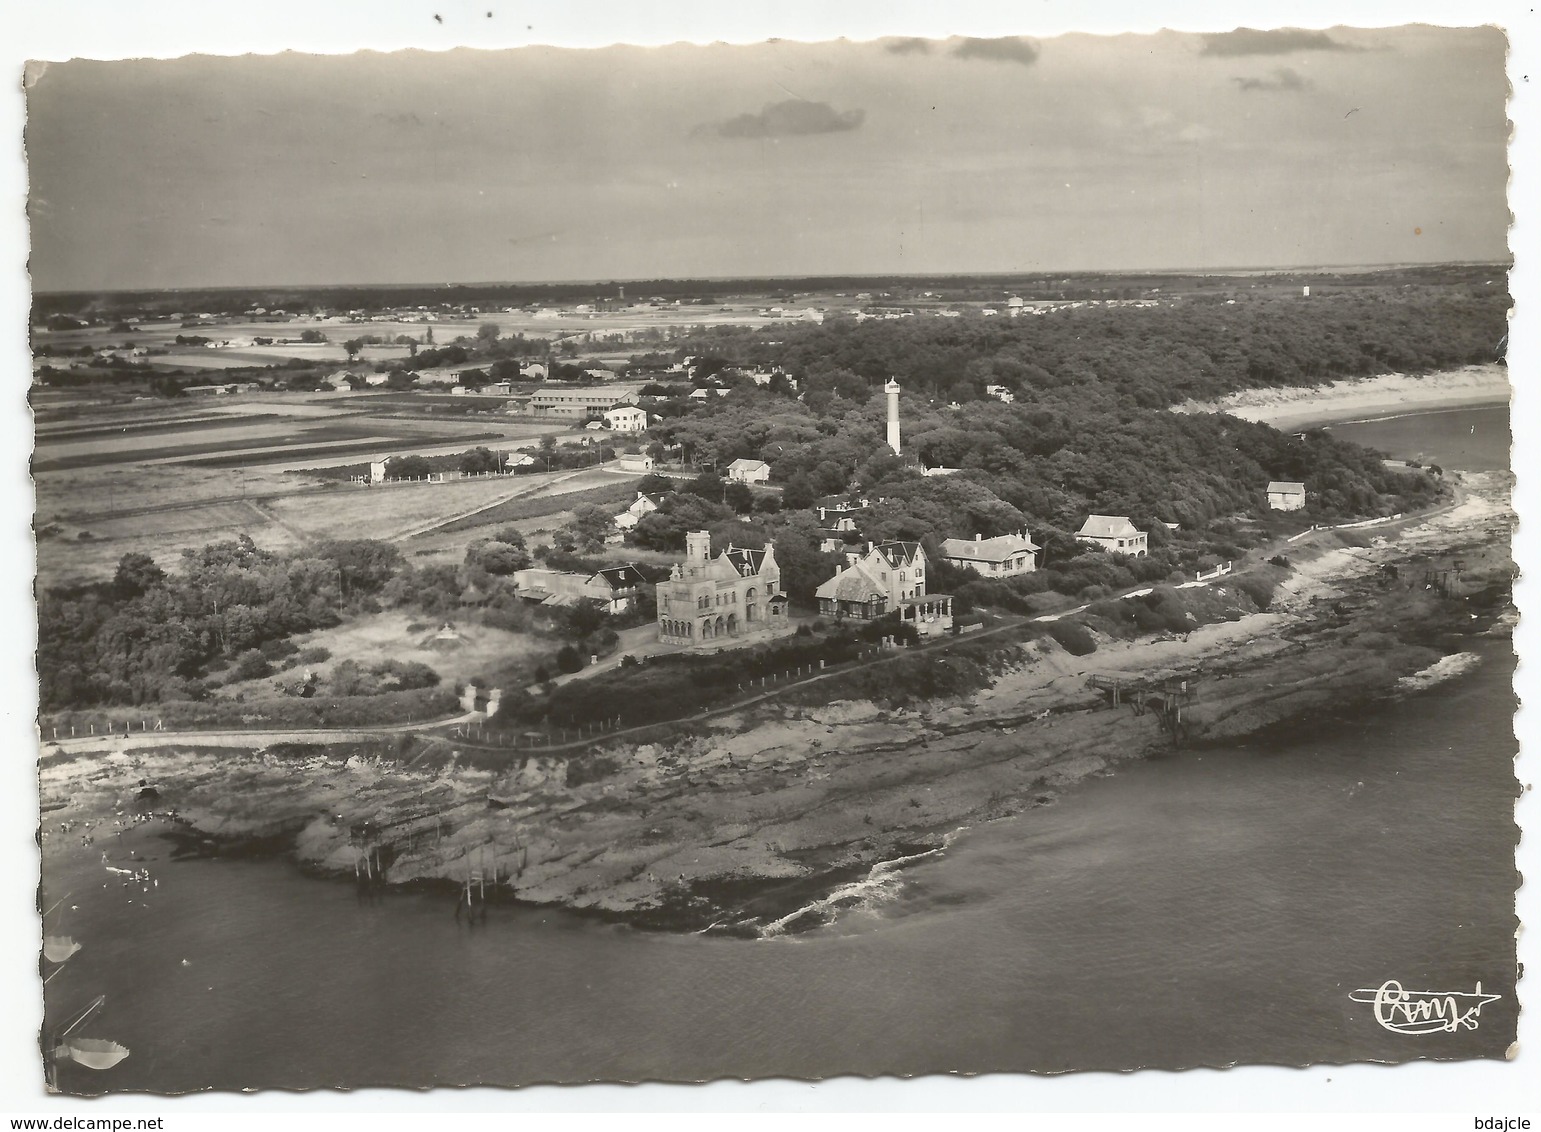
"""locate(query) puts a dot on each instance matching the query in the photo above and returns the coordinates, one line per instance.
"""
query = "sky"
(1172, 150)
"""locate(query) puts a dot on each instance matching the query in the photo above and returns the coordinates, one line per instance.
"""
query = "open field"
(513, 510)
(60, 434)
(477, 651)
(381, 511)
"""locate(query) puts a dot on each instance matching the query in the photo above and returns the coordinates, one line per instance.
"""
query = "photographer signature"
(1424, 1012)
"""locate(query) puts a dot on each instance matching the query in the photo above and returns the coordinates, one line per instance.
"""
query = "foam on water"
(880, 886)
(1445, 668)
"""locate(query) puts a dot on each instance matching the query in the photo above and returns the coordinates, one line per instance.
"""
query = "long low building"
(1004, 556)
(581, 403)
(615, 588)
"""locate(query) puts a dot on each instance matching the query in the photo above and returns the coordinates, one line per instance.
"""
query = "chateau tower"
(892, 389)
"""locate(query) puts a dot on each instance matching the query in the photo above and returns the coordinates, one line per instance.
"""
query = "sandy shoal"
(1387, 394)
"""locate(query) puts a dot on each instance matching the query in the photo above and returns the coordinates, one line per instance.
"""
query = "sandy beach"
(1363, 398)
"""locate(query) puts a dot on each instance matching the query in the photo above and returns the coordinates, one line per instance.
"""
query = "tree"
(488, 332)
(353, 346)
(707, 485)
(312, 336)
(473, 379)
(410, 468)
(587, 529)
(137, 573)
(478, 460)
(586, 619)
(364, 565)
(497, 558)
(739, 497)
(510, 535)
(568, 660)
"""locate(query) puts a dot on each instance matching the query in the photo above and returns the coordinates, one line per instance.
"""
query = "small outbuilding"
(1284, 495)
(749, 471)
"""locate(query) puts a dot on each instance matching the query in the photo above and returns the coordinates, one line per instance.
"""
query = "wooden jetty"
(1167, 696)
(377, 842)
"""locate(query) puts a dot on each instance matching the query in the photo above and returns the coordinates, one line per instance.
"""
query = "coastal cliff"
(737, 821)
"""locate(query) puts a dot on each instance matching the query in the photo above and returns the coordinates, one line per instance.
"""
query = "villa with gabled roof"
(885, 578)
(1114, 533)
(717, 601)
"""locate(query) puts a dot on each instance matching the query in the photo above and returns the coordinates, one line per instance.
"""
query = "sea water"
(1212, 907)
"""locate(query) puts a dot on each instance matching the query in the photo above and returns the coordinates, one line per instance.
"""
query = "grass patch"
(512, 510)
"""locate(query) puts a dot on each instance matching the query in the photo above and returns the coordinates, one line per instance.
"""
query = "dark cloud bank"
(1282, 78)
(1278, 41)
(791, 118)
(1007, 49)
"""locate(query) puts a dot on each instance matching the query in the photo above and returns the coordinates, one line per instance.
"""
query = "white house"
(749, 471)
(1004, 556)
(886, 578)
(642, 506)
(1286, 496)
(1001, 393)
(626, 418)
(1114, 533)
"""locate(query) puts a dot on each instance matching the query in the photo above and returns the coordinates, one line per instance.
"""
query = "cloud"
(1277, 41)
(1282, 78)
(791, 118)
(909, 47)
(1008, 49)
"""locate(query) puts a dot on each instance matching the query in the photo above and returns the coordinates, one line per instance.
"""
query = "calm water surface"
(1208, 908)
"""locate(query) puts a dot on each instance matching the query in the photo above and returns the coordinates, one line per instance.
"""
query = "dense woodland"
(1088, 433)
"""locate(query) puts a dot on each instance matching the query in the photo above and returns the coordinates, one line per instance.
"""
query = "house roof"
(853, 583)
(898, 554)
(1286, 487)
(996, 549)
(741, 557)
(747, 465)
(621, 577)
(1108, 526)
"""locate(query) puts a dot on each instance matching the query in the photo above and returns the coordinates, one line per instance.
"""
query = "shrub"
(396, 675)
(1073, 637)
(629, 661)
(250, 665)
(568, 660)
(542, 674)
(1259, 588)
(278, 648)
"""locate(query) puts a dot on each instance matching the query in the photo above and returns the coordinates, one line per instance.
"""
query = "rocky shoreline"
(756, 821)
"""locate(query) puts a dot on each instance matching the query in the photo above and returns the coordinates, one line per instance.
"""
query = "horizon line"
(617, 280)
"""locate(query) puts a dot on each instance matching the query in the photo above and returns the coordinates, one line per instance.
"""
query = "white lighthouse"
(892, 389)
